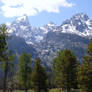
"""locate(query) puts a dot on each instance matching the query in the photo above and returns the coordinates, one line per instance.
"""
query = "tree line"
(67, 72)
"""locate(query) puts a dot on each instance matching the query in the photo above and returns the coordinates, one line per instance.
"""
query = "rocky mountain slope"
(56, 41)
(46, 41)
(18, 45)
(80, 24)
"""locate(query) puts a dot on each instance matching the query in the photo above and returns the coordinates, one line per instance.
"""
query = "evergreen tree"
(85, 71)
(5, 56)
(24, 73)
(65, 70)
(39, 77)
(85, 77)
(3, 43)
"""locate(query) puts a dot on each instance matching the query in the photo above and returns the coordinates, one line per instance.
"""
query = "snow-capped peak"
(81, 16)
(22, 28)
(79, 24)
(48, 27)
(22, 18)
(51, 24)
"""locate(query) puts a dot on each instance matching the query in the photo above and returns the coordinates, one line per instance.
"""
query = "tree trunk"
(68, 90)
(38, 89)
(5, 76)
(26, 86)
(26, 90)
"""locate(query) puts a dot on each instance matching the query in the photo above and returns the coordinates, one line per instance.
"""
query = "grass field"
(52, 90)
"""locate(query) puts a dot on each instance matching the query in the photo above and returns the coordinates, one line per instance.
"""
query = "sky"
(41, 12)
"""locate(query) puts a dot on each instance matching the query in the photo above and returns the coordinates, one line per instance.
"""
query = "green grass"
(52, 90)
(55, 90)
(19, 91)
(60, 90)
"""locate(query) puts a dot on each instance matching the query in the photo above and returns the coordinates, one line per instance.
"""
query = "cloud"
(11, 8)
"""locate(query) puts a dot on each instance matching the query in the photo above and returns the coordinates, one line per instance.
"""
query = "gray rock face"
(18, 45)
(56, 41)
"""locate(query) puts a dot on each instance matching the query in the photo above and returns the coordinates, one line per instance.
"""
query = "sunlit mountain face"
(47, 40)
(79, 24)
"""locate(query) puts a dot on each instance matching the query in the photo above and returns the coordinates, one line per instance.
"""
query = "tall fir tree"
(5, 55)
(39, 77)
(65, 70)
(85, 71)
(3, 43)
(25, 68)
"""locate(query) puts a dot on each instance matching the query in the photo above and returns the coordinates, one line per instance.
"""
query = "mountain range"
(46, 41)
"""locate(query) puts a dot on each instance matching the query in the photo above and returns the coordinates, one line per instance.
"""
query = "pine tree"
(24, 73)
(65, 70)
(5, 55)
(85, 71)
(85, 77)
(3, 43)
(39, 77)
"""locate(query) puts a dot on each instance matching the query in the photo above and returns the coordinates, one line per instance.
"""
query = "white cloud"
(13, 8)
